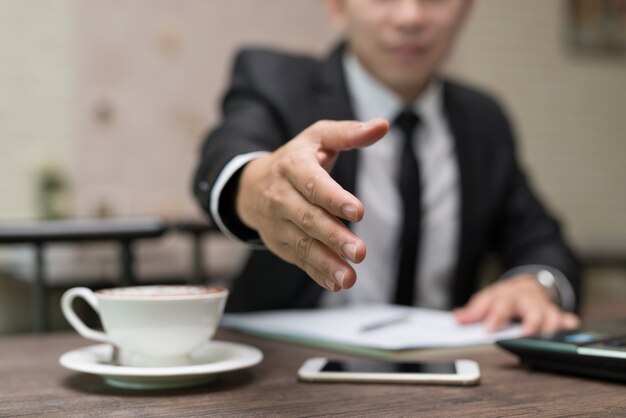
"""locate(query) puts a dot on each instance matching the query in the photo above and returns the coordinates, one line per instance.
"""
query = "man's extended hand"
(290, 199)
(519, 297)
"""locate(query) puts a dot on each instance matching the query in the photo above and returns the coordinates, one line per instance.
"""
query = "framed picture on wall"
(598, 26)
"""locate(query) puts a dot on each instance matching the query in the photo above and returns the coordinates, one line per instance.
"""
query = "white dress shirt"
(377, 186)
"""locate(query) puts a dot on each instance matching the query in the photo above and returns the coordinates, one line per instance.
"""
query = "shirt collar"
(372, 99)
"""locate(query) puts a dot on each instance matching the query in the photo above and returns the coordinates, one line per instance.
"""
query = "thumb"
(335, 136)
(346, 135)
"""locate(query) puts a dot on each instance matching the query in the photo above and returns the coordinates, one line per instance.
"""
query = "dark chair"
(40, 234)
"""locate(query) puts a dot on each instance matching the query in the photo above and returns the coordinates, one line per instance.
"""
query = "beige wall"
(36, 75)
(159, 68)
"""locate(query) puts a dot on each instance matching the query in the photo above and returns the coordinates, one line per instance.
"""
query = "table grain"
(32, 382)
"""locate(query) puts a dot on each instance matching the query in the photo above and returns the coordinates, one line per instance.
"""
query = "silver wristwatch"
(547, 280)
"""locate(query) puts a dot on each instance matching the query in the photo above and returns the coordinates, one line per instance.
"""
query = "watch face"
(546, 279)
(548, 282)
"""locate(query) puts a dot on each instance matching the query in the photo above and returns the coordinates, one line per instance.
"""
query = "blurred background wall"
(37, 77)
(113, 97)
(568, 108)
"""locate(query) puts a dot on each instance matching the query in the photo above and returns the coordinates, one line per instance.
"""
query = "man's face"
(401, 42)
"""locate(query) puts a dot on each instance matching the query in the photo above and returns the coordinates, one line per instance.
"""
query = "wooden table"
(32, 382)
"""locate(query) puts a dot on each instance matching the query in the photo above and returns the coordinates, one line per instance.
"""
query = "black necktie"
(410, 191)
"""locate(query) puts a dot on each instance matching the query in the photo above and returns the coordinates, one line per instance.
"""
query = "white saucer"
(209, 360)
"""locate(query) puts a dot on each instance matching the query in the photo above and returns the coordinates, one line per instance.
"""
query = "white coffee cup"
(151, 326)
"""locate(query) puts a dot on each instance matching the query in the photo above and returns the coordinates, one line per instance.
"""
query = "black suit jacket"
(274, 96)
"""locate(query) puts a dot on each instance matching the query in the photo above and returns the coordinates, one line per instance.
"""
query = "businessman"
(372, 149)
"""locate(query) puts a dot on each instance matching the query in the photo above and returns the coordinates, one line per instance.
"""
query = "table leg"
(198, 270)
(39, 291)
(127, 277)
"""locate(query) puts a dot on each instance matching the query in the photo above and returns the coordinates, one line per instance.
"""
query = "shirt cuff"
(563, 286)
(218, 187)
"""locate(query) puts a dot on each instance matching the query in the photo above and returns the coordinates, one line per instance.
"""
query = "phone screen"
(360, 366)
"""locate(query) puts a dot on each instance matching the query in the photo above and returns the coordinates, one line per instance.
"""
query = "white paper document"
(386, 327)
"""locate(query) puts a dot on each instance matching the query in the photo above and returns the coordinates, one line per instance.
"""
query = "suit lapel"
(333, 103)
(464, 139)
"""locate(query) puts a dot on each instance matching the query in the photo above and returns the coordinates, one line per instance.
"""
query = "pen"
(385, 323)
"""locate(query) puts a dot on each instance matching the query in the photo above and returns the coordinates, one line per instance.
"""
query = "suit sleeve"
(526, 234)
(250, 124)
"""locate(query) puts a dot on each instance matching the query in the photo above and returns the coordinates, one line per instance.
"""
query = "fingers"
(319, 224)
(520, 298)
(532, 320)
(320, 189)
(570, 321)
(551, 319)
(315, 258)
(546, 319)
(499, 315)
(476, 309)
(555, 319)
(346, 135)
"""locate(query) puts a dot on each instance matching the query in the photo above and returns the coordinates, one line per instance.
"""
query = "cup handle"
(74, 320)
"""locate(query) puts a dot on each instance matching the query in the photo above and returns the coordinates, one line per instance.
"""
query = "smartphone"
(459, 372)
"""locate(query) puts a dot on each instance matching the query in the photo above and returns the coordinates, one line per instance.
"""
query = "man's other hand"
(291, 200)
(520, 297)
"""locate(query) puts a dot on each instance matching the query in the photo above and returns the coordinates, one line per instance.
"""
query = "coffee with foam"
(162, 291)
